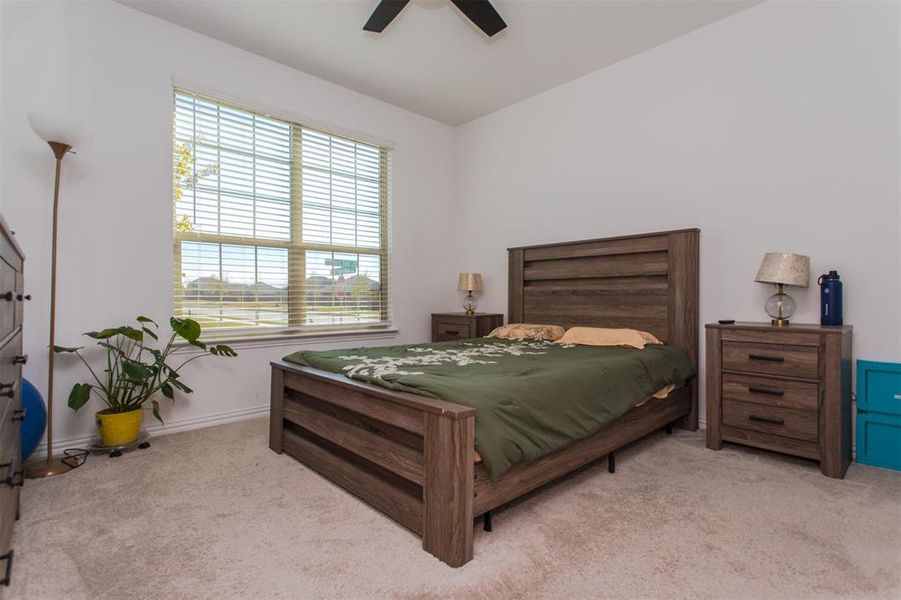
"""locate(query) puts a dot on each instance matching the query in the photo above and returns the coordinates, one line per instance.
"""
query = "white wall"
(112, 67)
(775, 129)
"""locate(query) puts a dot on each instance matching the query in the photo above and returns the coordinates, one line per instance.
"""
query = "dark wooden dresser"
(11, 413)
(786, 389)
(447, 327)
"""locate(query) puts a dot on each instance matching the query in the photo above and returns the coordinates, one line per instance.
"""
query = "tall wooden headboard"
(647, 281)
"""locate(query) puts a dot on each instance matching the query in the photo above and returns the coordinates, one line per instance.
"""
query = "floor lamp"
(62, 135)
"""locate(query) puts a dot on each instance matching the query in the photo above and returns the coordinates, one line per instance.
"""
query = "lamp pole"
(52, 466)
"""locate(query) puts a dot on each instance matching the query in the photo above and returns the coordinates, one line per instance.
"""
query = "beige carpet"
(215, 514)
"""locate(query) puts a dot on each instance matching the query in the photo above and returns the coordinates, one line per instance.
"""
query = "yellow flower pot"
(119, 429)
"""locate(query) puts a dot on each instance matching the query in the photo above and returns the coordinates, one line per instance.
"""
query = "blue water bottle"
(830, 299)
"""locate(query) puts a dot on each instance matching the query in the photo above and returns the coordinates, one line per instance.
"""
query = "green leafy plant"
(136, 370)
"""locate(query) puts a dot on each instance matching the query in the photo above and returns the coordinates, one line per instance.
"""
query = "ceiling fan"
(480, 12)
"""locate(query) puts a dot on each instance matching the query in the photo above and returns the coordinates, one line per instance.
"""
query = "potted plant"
(135, 372)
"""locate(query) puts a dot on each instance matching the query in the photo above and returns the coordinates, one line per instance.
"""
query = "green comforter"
(530, 397)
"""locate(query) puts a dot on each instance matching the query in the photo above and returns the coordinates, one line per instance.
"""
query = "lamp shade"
(784, 268)
(470, 282)
(53, 128)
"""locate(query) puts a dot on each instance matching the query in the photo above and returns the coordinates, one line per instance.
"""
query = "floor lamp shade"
(54, 128)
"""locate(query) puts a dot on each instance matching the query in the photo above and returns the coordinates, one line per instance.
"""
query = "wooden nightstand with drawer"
(447, 327)
(786, 389)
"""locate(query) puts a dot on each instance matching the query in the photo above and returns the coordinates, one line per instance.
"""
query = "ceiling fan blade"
(383, 14)
(482, 14)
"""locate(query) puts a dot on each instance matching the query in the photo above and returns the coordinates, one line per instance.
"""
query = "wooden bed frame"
(413, 457)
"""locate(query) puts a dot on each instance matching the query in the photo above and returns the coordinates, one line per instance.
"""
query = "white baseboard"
(231, 416)
(156, 429)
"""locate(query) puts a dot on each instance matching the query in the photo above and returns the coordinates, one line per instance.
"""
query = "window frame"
(295, 246)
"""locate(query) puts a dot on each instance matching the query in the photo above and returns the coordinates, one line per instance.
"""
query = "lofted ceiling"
(431, 59)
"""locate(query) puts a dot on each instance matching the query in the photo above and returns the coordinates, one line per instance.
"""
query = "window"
(278, 226)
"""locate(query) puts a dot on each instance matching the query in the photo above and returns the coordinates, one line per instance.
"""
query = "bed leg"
(276, 419)
(669, 429)
(611, 462)
(449, 479)
(486, 522)
(690, 421)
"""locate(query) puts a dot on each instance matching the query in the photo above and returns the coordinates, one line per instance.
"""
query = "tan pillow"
(601, 336)
(664, 391)
(520, 331)
(660, 394)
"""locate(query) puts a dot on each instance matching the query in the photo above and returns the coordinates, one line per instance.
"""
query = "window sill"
(274, 340)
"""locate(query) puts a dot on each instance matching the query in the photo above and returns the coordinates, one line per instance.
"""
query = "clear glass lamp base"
(780, 307)
(470, 307)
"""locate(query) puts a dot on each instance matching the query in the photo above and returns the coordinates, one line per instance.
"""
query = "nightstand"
(786, 389)
(460, 326)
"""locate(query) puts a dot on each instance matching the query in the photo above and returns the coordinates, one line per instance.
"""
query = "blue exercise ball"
(35, 418)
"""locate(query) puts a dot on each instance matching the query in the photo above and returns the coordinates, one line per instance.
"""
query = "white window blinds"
(277, 226)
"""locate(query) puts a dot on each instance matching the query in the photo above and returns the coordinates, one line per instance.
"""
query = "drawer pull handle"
(7, 296)
(768, 391)
(20, 359)
(767, 358)
(452, 333)
(16, 479)
(774, 420)
(19, 415)
(21, 297)
(7, 390)
(8, 557)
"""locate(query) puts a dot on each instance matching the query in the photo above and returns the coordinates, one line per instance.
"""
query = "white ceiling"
(431, 59)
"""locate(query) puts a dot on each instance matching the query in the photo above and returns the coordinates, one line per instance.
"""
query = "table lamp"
(469, 283)
(783, 268)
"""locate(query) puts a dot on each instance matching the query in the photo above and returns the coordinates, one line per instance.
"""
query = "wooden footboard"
(409, 456)
(413, 457)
